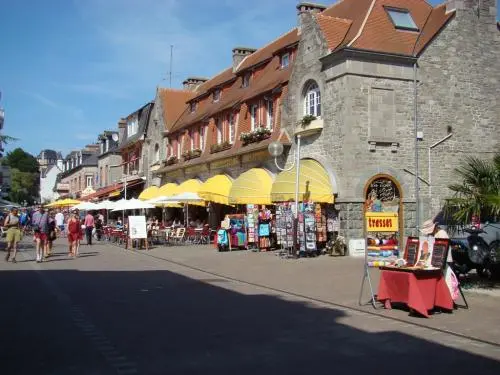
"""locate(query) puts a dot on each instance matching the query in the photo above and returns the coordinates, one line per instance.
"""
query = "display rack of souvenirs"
(382, 249)
(321, 223)
(235, 236)
(307, 229)
(284, 225)
(252, 222)
(264, 228)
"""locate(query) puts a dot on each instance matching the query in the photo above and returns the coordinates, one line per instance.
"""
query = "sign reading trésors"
(382, 221)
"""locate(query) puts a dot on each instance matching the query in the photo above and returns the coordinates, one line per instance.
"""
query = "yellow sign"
(224, 163)
(256, 156)
(196, 169)
(382, 222)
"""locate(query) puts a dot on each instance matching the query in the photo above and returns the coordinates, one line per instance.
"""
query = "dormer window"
(401, 18)
(285, 60)
(216, 95)
(246, 80)
(132, 127)
(192, 107)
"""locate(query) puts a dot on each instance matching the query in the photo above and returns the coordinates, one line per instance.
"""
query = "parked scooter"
(475, 253)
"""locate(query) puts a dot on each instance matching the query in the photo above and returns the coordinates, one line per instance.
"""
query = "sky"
(70, 69)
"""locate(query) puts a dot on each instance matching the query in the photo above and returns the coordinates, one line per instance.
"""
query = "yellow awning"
(216, 189)
(149, 193)
(168, 190)
(314, 184)
(252, 187)
(63, 203)
(191, 186)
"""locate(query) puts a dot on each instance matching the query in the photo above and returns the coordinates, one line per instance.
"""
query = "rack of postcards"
(284, 225)
(252, 222)
(307, 228)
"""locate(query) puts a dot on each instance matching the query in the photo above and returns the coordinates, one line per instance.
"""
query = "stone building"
(109, 157)
(381, 76)
(50, 165)
(48, 158)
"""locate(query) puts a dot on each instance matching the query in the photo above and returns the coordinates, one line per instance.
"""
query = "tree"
(24, 174)
(24, 186)
(478, 193)
(21, 160)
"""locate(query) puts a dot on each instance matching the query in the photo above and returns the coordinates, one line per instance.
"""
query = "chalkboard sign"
(411, 251)
(384, 189)
(440, 253)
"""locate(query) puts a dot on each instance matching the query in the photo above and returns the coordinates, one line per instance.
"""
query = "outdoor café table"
(420, 290)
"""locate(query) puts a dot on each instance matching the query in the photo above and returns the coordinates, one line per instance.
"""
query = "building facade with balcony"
(230, 119)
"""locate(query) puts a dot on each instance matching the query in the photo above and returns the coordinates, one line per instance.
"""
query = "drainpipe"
(415, 120)
(429, 161)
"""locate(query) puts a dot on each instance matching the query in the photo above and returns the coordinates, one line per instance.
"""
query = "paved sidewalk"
(332, 279)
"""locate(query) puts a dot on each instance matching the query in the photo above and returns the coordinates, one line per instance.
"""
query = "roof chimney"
(122, 128)
(192, 83)
(307, 9)
(239, 53)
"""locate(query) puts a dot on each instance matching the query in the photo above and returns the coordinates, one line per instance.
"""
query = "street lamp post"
(276, 150)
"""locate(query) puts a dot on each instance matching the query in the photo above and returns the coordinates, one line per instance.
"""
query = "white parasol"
(85, 206)
(106, 205)
(131, 204)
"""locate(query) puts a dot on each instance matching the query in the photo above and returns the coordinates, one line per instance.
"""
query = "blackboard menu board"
(384, 189)
(440, 253)
(411, 251)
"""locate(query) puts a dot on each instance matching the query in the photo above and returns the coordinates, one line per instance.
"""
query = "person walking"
(51, 235)
(60, 221)
(74, 230)
(41, 227)
(89, 227)
(12, 223)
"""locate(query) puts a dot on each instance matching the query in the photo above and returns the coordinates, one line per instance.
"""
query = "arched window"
(157, 152)
(312, 100)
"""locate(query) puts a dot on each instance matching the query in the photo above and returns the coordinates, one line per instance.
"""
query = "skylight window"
(402, 19)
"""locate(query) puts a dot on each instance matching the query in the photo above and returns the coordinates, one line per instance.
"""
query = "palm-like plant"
(479, 191)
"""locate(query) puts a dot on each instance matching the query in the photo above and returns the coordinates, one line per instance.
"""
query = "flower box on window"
(220, 147)
(192, 154)
(255, 136)
(171, 160)
(309, 125)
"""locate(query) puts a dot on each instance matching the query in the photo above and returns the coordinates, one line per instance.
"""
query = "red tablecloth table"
(421, 290)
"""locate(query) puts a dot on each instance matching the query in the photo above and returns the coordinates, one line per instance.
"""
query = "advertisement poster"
(137, 225)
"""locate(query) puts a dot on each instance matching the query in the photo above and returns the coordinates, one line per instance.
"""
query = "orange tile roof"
(217, 80)
(437, 19)
(334, 29)
(372, 28)
(265, 53)
(173, 104)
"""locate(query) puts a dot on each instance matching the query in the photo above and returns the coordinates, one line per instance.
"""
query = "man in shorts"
(60, 221)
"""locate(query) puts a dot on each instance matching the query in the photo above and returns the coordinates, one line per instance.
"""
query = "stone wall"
(109, 175)
(459, 91)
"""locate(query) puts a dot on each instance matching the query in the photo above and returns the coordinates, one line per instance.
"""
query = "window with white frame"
(253, 116)
(179, 145)
(285, 60)
(157, 152)
(191, 139)
(132, 127)
(216, 95)
(89, 181)
(312, 100)
(270, 113)
(167, 146)
(219, 130)
(232, 127)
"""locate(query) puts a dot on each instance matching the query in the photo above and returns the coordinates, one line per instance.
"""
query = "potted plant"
(171, 160)
(306, 120)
